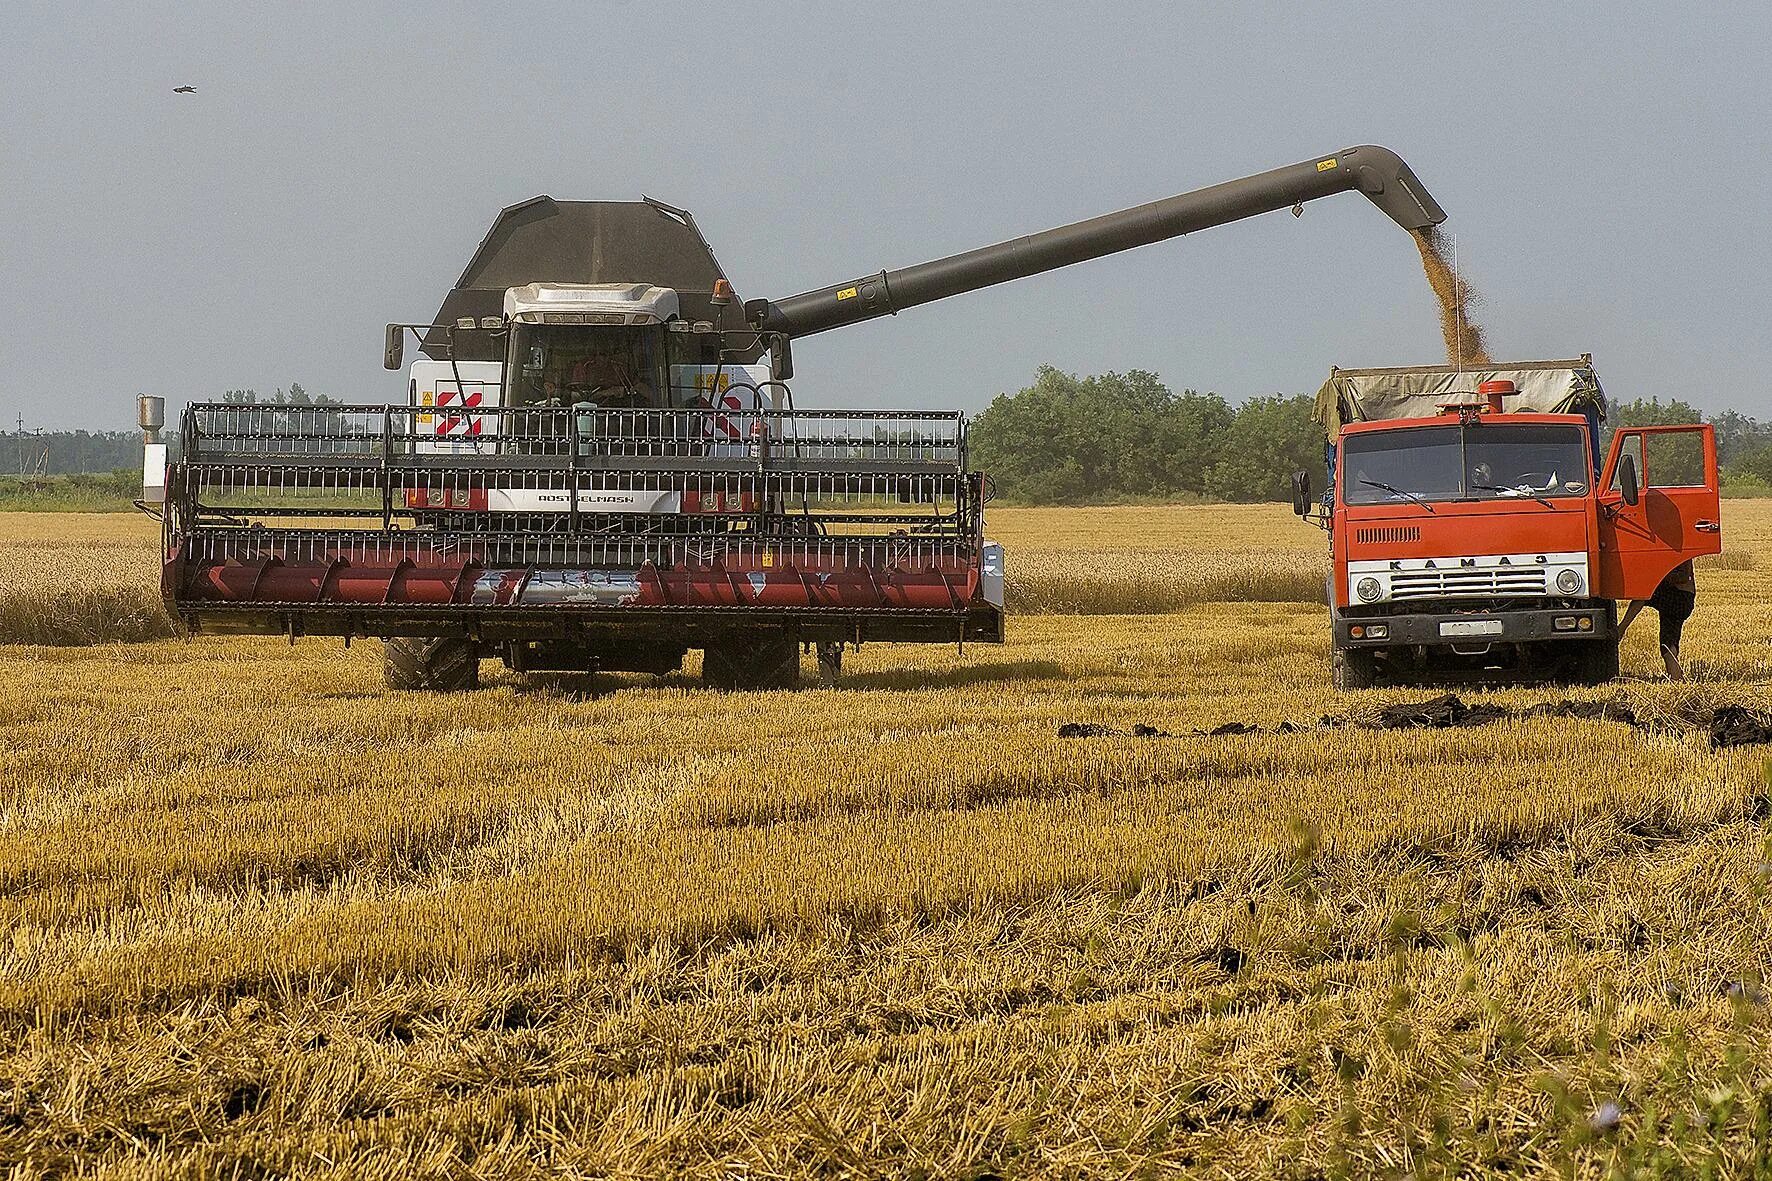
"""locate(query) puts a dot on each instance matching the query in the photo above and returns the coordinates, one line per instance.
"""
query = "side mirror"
(1301, 493)
(1627, 479)
(394, 350)
(781, 359)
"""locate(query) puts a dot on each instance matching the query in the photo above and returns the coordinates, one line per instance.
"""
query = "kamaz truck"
(1477, 530)
(600, 463)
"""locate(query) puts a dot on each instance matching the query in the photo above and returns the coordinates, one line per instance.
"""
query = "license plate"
(1471, 627)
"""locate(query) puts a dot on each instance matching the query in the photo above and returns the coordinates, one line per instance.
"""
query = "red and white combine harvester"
(1475, 532)
(600, 464)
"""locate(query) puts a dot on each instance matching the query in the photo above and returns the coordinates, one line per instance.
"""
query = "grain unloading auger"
(600, 464)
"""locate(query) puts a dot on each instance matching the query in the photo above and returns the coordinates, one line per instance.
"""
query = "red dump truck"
(1476, 531)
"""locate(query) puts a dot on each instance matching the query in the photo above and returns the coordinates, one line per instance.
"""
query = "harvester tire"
(440, 665)
(752, 662)
(1353, 668)
(830, 662)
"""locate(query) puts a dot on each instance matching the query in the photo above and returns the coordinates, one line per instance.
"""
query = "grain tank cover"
(543, 240)
(1374, 395)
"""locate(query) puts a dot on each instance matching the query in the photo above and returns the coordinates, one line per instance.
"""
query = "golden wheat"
(262, 916)
(79, 578)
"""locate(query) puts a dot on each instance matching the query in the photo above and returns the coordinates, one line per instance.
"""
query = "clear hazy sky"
(1605, 166)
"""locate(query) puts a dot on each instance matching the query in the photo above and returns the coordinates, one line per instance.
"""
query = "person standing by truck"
(1673, 601)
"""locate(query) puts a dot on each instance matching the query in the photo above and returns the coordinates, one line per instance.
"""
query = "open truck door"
(1660, 505)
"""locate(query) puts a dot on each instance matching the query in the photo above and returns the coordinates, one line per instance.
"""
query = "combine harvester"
(1474, 532)
(600, 464)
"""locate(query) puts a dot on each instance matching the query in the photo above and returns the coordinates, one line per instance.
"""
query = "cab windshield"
(1478, 461)
(606, 365)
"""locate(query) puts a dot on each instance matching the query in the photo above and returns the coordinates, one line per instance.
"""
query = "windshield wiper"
(1394, 490)
(1517, 492)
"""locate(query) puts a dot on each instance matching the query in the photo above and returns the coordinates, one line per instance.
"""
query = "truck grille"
(1396, 533)
(1421, 584)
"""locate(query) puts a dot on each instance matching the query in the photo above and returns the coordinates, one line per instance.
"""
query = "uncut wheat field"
(262, 917)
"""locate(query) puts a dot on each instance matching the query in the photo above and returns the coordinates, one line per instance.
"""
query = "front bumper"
(1474, 629)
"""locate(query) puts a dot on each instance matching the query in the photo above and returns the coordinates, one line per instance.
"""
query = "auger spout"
(1377, 172)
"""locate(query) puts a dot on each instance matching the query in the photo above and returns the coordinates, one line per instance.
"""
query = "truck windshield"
(1479, 461)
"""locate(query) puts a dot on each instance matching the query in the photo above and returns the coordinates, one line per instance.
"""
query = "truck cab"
(1486, 541)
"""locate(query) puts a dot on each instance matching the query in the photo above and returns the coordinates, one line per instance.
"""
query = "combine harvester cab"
(599, 463)
(1475, 532)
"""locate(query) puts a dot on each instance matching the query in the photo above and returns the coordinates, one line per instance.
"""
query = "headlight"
(1368, 590)
(1569, 581)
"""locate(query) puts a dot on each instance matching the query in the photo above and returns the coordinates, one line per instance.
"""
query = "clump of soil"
(1087, 730)
(1464, 337)
(1437, 713)
(1733, 725)
(1592, 711)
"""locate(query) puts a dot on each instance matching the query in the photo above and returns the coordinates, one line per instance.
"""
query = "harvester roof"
(1372, 395)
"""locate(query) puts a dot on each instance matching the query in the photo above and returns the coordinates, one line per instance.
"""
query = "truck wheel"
(1598, 664)
(767, 661)
(442, 665)
(1353, 668)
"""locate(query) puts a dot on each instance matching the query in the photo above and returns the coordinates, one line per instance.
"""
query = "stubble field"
(262, 916)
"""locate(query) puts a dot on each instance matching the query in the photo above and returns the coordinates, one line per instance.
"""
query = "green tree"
(1677, 460)
(1647, 412)
(1753, 466)
(1268, 440)
(294, 396)
(1066, 439)
(1738, 435)
(1189, 439)
(1652, 412)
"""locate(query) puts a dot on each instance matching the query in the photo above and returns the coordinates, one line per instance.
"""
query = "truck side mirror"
(1627, 479)
(394, 351)
(1301, 493)
(781, 359)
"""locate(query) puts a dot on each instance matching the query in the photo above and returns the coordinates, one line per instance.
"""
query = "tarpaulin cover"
(1370, 395)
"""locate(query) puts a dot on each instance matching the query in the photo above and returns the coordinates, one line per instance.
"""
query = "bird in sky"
(184, 90)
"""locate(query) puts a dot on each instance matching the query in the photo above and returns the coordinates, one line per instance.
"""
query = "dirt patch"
(1141, 730)
(1734, 725)
(1464, 337)
(1726, 726)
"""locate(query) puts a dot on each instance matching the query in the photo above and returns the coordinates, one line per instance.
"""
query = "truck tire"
(440, 665)
(1598, 662)
(1353, 668)
(755, 661)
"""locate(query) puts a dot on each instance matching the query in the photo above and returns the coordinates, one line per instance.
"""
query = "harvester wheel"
(1354, 668)
(830, 662)
(769, 661)
(442, 665)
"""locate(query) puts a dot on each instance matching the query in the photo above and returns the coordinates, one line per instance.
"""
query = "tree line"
(1064, 439)
(1126, 436)
(1113, 437)
(63, 453)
